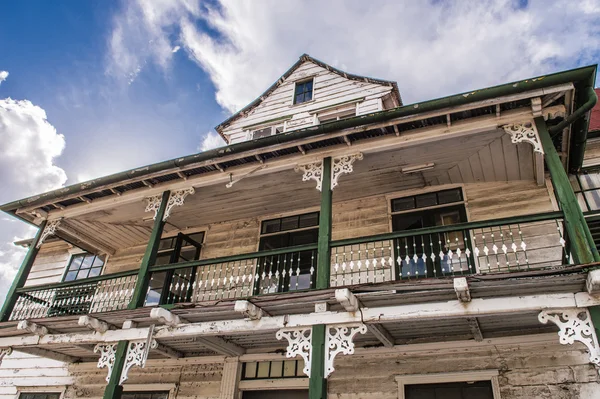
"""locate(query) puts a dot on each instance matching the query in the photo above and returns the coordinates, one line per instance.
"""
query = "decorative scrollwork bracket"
(340, 166)
(526, 131)
(137, 353)
(340, 341)
(49, 230)
(176, 198)
(107, 357)
(299, 343)
(575, 324)
(5, 352)
(312, 171)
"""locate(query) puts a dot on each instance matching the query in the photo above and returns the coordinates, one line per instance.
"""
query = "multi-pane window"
(303, 92)
(453, 390)
(84, 266)
(289, 271)
(39, 395)
(272, 369)
(145, 395)
(587, 189)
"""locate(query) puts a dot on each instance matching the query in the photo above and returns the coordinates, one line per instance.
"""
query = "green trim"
(149, 259)
(450, 228)
(595, 315)
(317, 384)
(75, 283)
(582, 244)
(325, 223)
(22, 274)
(232, 258)
(582, 76)
(113, 390)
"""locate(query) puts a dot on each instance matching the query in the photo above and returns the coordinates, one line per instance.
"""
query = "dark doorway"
(453, 390)
(282, 394)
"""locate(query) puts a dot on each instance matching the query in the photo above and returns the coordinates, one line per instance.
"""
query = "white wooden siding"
(21, 370)
(50, 263)
(329, 89)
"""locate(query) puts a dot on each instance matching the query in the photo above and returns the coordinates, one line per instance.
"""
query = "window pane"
(309, 220)
(276, 369)
(299, 98)
(71, 276)
(593, 199)
(270, 226)
(166, 243)
(95, 272)
(425, 200)
(87, 262)
(83, 274)
(197, 237)
(590, 180)
(76, 262)
(263, 370)
(581, 202)
(448, 196)
(289, 368)
(402, 204)
(289, 223)
(98, 261)
(163, 258)
(250, 370)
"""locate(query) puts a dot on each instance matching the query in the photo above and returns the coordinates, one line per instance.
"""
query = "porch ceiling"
(483, 157)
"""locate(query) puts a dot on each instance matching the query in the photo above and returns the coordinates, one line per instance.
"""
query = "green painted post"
(317, 387)
(324, 249)
(114, 390)
(582, 245)
(22, 274)
(317, 384)
(149, 259)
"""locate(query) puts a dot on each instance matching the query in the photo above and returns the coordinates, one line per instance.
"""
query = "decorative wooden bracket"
(575, 324)
(299, 344)
(520, 132)
(176, 198)
(249, 310)
(137, 353)
(340, 341)
(107, 357)
(4, 352)
(32, 327)
(49, 230)
(340, 166)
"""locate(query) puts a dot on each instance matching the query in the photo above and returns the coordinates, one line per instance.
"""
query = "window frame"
(273, 129)
(49, 389)
(581, 191)
(459, 376)
(312, 93)
(73, 255)
(151, 388)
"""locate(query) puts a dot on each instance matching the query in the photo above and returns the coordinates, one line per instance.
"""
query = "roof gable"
(301, 61)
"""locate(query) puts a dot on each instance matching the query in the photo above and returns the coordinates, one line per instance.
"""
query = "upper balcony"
(418, 200)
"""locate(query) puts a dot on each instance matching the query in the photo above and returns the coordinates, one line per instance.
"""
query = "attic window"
(267, 131)
(303, 91)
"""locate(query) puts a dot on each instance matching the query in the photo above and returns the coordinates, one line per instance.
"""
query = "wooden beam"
(347, 299)
(538, 161)
(381, 334)
(219, 345)
(461, 287)
(182, 175)
(475, 329)
(77, 235)
(48, 354)
(168, 351)
(249, 310)
(22, 275)
(164, 316)
(34, 328)
(93, 324)
(593, 282)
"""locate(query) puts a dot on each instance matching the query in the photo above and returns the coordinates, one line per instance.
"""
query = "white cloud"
(211, 140)
(29, 146)
(3, 76)
(430, 48)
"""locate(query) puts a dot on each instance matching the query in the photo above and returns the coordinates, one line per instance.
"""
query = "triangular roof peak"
(304, 58)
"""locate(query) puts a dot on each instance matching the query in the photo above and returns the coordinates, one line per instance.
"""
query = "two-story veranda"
(439, 246)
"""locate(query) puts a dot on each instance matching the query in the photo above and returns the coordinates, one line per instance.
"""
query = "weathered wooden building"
(341, 245)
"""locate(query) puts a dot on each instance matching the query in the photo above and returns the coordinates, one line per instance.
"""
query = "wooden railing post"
(149, 259)
(582, 244)
(22, 274)
(114, 390)
(317, 388)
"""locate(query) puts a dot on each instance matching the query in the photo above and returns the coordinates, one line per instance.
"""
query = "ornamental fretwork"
(5, 352)
(107, 357)
(49, 230)
(575, 324)
(524, 132)
(137, 353)
(339, 166)
(299, 344)
(340, 339)
(176, 198)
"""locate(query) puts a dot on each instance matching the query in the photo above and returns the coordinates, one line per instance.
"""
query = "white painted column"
(230, 378)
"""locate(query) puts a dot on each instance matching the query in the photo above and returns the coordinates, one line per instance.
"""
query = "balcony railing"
(495, 246)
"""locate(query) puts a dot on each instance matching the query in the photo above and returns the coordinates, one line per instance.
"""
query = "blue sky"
(99, 87)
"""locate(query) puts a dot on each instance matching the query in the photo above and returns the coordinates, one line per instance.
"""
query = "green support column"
(114, 390)
(22, 274)
(149, 259)
(317, 388)
(324, 250)
(582, 245)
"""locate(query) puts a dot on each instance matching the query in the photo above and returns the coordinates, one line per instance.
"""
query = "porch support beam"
(168, 351)
(149, 259)
(48, 354)
(317, 384)
(582, 244)
(164, 316)
(249, 310)
(22, 274)
(114, 390)
(93, 324)
(461, 287)
(221, 346)
(31, 327)
(381, 334)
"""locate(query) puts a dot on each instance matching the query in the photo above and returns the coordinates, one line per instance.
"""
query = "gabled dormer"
(309, 93)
